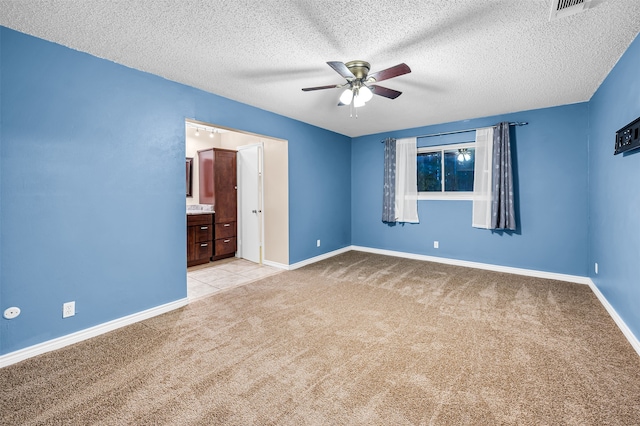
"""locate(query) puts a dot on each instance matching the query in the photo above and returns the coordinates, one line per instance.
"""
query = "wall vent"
(562, 8)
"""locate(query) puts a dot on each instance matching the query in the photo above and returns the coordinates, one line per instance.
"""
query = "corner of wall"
(589, 224)
(1, 150)
(1, 107)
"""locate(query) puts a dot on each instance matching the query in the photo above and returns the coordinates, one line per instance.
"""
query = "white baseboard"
(618, 320)
(78, 336)
(275, 264)
(319, 258)
(486, 266)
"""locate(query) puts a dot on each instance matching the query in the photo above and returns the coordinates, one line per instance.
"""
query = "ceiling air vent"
(562, 8)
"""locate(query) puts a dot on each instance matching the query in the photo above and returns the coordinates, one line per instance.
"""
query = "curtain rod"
(515, 123)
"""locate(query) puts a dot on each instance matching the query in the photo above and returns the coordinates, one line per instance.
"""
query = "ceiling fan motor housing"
(359, 69)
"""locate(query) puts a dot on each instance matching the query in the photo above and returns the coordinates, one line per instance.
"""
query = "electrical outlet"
(318, 243)
(436, 244)
(68, 309)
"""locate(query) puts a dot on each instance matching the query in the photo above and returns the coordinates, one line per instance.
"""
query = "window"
(446, 171)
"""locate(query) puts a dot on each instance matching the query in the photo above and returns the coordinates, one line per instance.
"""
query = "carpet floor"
(358, 339)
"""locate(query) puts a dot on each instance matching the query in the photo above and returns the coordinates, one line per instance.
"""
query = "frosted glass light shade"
(346, 97)
(365, 94)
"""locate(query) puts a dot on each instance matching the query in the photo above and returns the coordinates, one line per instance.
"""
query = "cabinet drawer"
(225, 230)
(199, 219)
(225, 246)
(204, 250)
(203, 233)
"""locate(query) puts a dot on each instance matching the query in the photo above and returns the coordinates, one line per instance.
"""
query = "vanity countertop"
(200, 209)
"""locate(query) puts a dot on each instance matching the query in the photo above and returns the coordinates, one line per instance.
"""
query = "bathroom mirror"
(189, 176)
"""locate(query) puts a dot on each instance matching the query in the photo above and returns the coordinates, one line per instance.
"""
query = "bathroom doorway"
(272, 207)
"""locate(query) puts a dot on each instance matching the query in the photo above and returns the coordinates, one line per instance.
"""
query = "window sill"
(445, 196)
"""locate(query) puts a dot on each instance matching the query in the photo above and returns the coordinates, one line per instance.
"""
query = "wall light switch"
(318, 243)
(436, 244)
(596, 268)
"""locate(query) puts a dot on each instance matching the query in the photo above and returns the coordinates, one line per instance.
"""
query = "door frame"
(275, 238)
(241, 183)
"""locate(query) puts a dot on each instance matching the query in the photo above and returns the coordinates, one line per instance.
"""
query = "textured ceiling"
(469, 58)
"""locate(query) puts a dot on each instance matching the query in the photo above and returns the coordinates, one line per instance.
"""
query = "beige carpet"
(357, 339)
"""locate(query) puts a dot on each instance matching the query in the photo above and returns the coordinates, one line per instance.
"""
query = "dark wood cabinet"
(225, 240)
(206, 179)
(218, 186)
(200, 244)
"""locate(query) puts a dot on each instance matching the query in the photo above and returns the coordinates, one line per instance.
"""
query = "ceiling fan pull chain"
(351, 105)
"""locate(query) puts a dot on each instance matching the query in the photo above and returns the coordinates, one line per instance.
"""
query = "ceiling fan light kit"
(359, 86)
(359, 95)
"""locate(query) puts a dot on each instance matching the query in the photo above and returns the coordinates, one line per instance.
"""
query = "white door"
(250, 202)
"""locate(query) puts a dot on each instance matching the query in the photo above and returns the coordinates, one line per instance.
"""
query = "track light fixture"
(198, 128)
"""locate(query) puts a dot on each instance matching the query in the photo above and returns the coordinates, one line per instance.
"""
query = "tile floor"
(204, 280)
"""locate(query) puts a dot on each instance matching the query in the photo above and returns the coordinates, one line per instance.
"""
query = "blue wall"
(550, 165)
(614, 203)
(1, 194)
(92, 186)
(92, 203)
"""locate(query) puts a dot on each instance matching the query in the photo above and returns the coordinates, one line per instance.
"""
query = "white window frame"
(445, 195)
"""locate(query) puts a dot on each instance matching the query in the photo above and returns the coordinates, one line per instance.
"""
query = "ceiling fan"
(359, 87)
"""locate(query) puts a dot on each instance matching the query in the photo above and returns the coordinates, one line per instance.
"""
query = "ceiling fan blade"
(395, 71)
(341, 69)
(383, 91)
(331, 86)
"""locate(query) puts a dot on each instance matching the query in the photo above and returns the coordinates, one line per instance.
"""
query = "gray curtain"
(389, 188)
(502, 208)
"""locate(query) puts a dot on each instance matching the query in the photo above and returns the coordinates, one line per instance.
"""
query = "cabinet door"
(225, 186)
(206, 177)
